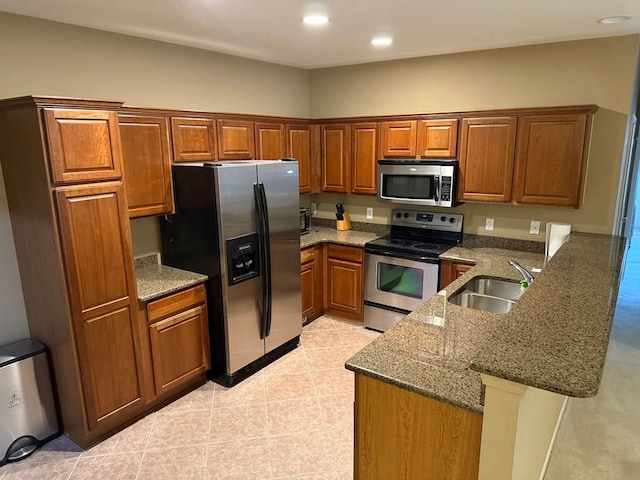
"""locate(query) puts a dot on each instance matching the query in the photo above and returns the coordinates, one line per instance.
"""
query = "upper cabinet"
(364, 157)
(235, 140)
(84, 145)
(147, 164)
(194, 139)
(299, 147)
(270, 141)
(550, 157)
(399, 139)
(335, 157)
(486, 159)
(437, 138)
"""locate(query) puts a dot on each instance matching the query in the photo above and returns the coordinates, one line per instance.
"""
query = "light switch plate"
(488, 225)
(534, 229)
(369, 213)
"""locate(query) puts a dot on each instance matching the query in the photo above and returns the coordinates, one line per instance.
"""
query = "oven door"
(397, 285)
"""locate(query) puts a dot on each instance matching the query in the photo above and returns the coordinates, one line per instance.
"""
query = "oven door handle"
(417, 258)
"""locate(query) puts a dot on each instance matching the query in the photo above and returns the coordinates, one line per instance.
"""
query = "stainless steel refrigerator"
(238, 223)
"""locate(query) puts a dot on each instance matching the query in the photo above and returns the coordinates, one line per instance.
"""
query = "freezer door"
(237, 219)
(280, 180)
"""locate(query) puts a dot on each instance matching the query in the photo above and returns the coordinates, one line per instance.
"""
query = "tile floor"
(293, 419)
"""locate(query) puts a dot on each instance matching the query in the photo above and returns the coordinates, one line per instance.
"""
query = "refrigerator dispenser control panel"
(243, 261)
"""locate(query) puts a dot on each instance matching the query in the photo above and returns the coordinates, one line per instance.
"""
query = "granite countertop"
(354, 237)
(154, 281)
(555, 338)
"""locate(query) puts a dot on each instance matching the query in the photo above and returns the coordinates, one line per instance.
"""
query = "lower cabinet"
(401, 434)
(311, 275)
(450, 271)
(345, 281)
(178, 339)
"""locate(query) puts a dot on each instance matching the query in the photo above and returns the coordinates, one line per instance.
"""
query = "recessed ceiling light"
(315, 19)
(615, 19)
(381, 41)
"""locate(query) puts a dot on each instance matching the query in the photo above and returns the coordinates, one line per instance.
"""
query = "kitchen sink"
(489, 294)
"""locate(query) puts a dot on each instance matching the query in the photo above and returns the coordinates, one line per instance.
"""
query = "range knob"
(443, 218)
(452, 220)
(406, 214)
(398, 215)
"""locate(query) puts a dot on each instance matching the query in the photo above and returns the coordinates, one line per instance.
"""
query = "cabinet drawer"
(307, 255)
(171, 304)
(343, 252)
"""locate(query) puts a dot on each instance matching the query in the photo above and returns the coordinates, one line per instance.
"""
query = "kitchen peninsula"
(463, 393)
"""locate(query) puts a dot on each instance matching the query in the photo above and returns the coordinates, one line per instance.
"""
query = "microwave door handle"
(436, 188)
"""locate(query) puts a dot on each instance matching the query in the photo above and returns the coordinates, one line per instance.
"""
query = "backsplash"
(147, 260)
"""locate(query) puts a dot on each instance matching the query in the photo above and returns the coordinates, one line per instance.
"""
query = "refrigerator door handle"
(265, 255)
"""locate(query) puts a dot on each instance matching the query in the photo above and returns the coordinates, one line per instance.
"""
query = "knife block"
(344, 224)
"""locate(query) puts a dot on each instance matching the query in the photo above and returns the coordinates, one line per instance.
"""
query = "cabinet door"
(182, 333)
(99, 268)
(437, 138)
(299, 147)
(147, 165)
(399, 139)
(345, 287)
(84, 145)
(487, 147)
(364, 158)
(335, 158)
(270, 144)
(194, 139)
(450, 271)
(235, 140)
(550, 159)
(307, 271)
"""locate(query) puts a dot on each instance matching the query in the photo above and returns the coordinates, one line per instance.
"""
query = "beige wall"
(46, 58)
(600, 71)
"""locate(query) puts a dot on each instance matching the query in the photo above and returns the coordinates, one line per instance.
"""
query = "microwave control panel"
(445, 186)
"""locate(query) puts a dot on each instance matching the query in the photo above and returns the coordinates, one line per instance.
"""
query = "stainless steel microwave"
(418, 182)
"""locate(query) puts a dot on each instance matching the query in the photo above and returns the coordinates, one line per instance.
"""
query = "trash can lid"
(16, 351)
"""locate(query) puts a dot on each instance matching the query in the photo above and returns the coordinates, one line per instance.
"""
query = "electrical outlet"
(534, 229)
(488, 224)
(313, 208)
(369, 213)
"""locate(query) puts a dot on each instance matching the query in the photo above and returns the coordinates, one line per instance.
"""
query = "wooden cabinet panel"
(549, 167)
(235, 140)
(401, 434)
(84, 145)
(311, 276)
(450, 271)
(364, 158)
(147, 165)
(270, 141)
(437, 138)
(184, 333)
(399, 139)
(194, 139)
(98, 262)
(344, 281)
(487, 149)
(335, 158)
(299, 147)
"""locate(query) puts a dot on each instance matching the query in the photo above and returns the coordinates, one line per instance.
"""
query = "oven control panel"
(427, 220)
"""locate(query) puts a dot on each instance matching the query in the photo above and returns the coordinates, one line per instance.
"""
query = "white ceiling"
(271, 30)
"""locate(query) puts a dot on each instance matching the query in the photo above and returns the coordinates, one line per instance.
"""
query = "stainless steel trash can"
(27, 409)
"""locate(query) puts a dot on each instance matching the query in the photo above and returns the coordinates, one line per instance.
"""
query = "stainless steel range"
(402, 268)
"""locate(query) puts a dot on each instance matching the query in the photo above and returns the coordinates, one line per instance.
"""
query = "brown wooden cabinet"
(178, 323)
(84, 145)
(364, 158)
(344, 281)
(437, 138)
(550, 159)
(450, 271)
(194, 139)
(487, 148)
(235, 140)
(402, 434)
(399, 139)
(311, 275)
(335, 150)
(270, 141)
(299, 147)
(147, 164)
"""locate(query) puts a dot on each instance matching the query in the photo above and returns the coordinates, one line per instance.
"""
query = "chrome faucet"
(526, 274)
